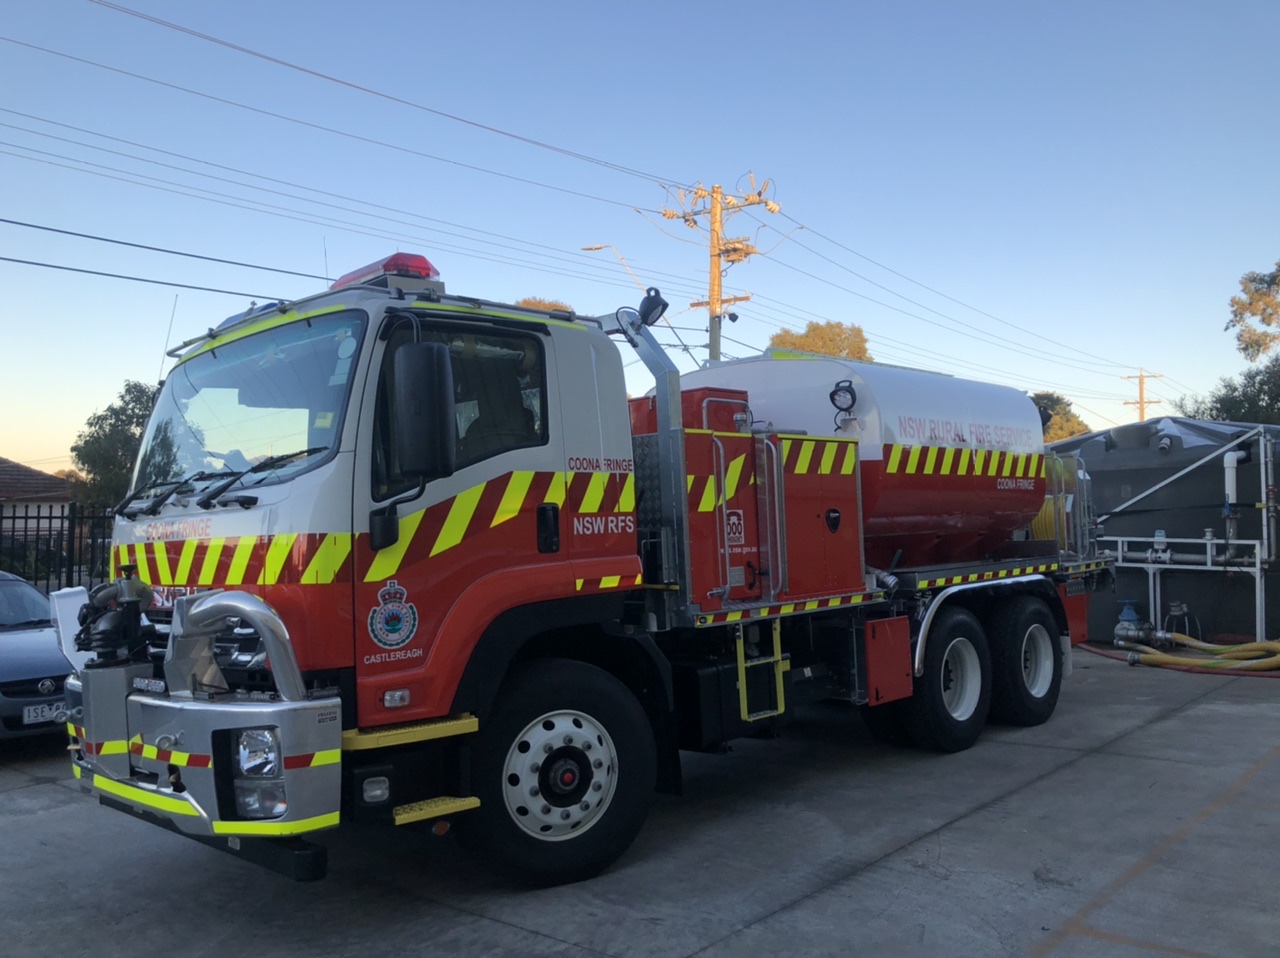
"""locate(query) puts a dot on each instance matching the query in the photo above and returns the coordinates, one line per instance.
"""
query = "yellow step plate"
(433, 808)
(356, 739)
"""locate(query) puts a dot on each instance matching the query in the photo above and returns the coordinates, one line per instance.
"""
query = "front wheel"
(565, 773)
(948, 707)
(1026, 662)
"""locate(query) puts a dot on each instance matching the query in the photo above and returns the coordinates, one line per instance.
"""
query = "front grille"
(29, 688)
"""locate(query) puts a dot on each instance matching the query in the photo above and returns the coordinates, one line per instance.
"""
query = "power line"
(319, 126)
(138, 279)
(168, 24)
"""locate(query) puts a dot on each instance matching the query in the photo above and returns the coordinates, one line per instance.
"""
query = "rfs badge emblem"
(393, 621)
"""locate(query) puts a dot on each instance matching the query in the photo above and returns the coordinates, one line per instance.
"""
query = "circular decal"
(393, 621)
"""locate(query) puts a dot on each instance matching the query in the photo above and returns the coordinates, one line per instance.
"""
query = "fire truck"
(398, 556)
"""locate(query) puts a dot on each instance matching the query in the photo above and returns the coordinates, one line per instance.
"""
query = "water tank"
(950, 467)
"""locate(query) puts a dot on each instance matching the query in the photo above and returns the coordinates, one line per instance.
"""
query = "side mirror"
(426, 426)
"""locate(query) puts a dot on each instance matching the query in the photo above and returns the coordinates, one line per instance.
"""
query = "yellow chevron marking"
(328, 756)
(459, 517)
(930, 460)
(850, 459)
(512, 498)
(993, 463)
(140, 560)
(162, 564)
(558, 488)
(386, 562)
(209, 568)
(895, 456)
(786, 450)
(828, 458)
(948, 457)
(1008, 465)
(1022, 465)
(120, 556)
(1035, 465)
(331, 553)
(913, 460)
(611, 582)
(595, 492)
(979, 460)
(963, 468)
(806, 455)
(188, 555)
(811, 605)
(708, 501)
(689, 485)
(277, 553)
(240, 559)
(579, 584)
(627, 500)
(733, 476)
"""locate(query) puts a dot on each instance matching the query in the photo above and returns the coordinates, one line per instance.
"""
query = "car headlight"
(258, 753)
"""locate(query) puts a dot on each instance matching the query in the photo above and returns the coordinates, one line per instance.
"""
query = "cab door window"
(499, 381)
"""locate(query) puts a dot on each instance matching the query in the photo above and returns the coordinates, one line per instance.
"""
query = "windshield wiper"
(25, 625)
(160, 500)
(209, 499)
(119, 508)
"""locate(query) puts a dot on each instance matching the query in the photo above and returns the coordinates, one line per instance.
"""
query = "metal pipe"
(208, 615)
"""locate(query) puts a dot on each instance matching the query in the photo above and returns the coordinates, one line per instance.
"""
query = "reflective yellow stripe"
(270, 322)
(733, 477)
(913, 460)
(330, 756)
(611, 582)
(174, 806)
(578, 584)
(708, 495)
(162, 564)
(993, 463)
(930, 460)
(948, 458)
(386, 562)
(118, 747)
(894, 457)
(627, 500)
(595, 492)
(963, 470)
(276, 828)
(210, 565)
(140, 560)
(184, 562)
(850, 459)
(277, 553)
(689, 484)
(240, 560)
(557, 490)
(806, 455)
(786, 451)
(979, 460)
(460, 513)
(828, 459)
(123, 558)
(1022, 465)
(512, 498)
(331, 553)
(1008, 465)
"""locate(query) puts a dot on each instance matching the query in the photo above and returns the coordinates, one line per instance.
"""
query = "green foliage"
(1255, 314)
(1253, 396)
(846, 340)
(1065, 423)
(106, 448)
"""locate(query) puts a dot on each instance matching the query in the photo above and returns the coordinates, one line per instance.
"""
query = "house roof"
(19, 483)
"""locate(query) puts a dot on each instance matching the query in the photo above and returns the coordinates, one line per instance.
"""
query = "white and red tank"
(950, 467)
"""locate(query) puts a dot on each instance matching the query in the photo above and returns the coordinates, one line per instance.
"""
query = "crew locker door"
(474, 544)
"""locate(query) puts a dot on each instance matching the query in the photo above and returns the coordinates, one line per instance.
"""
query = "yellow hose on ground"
(1250, 657)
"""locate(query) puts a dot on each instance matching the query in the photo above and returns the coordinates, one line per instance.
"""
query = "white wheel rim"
(560, 775)
(961, 679)
(1037, 661)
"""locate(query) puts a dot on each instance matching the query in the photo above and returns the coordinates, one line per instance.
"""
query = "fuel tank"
(950, 467)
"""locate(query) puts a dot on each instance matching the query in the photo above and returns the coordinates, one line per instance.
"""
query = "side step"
(357, 739)
(432, 808)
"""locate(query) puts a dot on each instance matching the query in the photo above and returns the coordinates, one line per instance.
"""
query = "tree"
(1253, 396)
(1065, 423)
(537, 302)
(845, 340)
(1259, 303)
(106, 448)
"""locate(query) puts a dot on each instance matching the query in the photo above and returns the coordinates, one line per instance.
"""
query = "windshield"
(272, 393)
(21, 605)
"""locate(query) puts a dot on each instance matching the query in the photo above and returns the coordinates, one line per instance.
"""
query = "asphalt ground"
(1141, 820)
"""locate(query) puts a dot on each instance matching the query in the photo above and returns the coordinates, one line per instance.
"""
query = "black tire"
(887, 723)
(948, 707)
(564, 770)
(1026, 662)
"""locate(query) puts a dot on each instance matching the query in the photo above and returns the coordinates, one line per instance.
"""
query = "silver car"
(32, 666)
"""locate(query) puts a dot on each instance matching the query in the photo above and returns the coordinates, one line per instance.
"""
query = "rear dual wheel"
(1026, 662)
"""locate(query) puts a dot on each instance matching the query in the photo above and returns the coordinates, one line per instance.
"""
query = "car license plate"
(35, 714)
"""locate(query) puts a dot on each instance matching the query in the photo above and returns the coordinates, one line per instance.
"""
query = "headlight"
(260, 799)
(258, 753)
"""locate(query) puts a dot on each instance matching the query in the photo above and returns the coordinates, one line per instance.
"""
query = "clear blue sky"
(1096, 175)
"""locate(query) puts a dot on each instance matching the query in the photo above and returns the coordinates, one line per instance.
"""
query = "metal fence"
(56, 546)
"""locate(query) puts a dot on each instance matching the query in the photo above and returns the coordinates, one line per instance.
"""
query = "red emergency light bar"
(398, 264)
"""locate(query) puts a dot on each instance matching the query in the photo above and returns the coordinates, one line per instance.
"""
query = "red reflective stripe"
(298, 761)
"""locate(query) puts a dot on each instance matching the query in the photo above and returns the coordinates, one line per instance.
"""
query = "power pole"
(732, 250)
(1142, 401)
